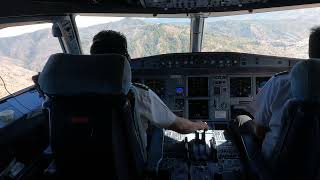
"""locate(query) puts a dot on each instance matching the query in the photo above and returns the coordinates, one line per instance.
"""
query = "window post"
(196, 32)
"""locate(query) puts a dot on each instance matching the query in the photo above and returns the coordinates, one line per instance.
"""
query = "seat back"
(297, 153)
(91, 121)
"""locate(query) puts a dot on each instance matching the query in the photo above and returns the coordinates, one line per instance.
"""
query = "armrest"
(257, 164)
(243, 128)
(155, 150)
(250, 145)
(259, 168)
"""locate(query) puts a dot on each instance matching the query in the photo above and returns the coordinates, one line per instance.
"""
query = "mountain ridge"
(14, 77)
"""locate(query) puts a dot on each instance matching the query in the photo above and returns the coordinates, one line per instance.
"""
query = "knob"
(224, 105)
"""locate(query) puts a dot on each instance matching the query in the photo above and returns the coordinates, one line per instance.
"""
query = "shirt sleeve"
(260, 107)
(161, 114)
(151, 108)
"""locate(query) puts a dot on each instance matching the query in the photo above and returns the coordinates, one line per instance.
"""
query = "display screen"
(179, 104)
(240, 87)
(158, 86)
(198, 86)
(179, 91)
(217, 91)
(198, 109)
(260, 82)
(136, 80)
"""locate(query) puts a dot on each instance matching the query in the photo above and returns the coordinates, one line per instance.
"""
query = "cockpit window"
(283, 33)
(23, 52)
(145, 36)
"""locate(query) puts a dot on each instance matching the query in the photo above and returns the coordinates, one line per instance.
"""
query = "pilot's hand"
(260, 131)
(185, 126)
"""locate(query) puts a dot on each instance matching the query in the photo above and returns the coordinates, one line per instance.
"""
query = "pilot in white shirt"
(152, 108)
(149, 106)
(267, 109)
(269, 103)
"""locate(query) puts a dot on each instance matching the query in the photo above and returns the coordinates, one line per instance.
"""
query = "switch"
(213, 149)
(217, 91)
(203, 137)
(197, 136)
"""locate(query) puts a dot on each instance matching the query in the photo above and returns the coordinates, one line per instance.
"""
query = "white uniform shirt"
(150, 108)
(267, 109)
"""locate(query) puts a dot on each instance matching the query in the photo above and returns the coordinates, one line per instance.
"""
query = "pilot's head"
(314, 43)
(109, 42)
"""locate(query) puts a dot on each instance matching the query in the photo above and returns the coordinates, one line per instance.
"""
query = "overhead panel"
(193, 4)
(28, 8)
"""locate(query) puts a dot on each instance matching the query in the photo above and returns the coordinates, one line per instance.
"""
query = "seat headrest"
(69, 75)
(305, 80)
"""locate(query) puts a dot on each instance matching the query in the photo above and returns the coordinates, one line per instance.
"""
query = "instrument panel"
(208, 86)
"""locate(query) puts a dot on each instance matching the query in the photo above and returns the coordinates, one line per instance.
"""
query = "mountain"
(30, 50)
(14, 76)
(276, 37)
(144, 39)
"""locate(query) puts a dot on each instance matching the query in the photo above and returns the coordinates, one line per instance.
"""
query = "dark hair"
(109, 41)
(314, 43)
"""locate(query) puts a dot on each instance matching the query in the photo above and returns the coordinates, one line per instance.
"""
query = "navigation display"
(198, 109)
(198, 86)
(240, 86)
(158, 86)
(260, 82)
(179, 91)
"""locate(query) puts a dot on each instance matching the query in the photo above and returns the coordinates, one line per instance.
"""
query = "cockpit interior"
(66, 114)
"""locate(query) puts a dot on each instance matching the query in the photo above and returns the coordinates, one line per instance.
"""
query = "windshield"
(24, 50)
(284, 33)
(145, 36)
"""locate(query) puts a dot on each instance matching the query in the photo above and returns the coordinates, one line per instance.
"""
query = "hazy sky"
(85, 21)
(14, 31)
(81, 22)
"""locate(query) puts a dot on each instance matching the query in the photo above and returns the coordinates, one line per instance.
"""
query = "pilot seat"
(297, 152)
(92, 125)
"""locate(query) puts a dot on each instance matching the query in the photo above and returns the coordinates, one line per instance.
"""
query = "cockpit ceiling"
(155, 7)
